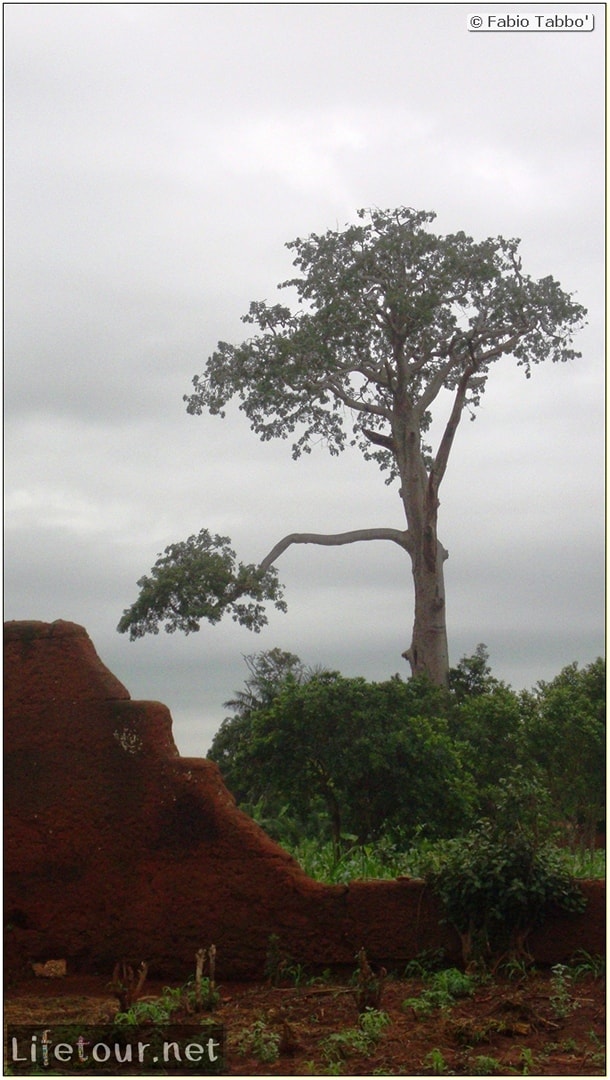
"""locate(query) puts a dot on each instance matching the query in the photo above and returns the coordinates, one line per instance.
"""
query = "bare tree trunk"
(428, 653)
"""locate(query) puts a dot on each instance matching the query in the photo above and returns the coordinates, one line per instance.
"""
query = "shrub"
(496, 886)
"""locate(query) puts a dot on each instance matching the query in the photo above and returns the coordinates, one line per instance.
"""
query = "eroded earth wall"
(116, 846)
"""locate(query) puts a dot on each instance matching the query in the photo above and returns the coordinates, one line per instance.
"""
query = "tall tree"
(389, 317)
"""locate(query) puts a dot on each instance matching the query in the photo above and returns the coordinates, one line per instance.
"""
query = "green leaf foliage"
(565, 733)
(200, 579)
(380, 302)
(377, 755)
(387, 768)
(496, 885)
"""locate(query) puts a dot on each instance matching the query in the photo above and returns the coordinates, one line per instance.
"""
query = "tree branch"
(442, 456)
(435, 386)
(380, 440)
(351, 402)
(399, 537)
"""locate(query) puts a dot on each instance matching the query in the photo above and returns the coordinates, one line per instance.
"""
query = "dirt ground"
(529, 1024)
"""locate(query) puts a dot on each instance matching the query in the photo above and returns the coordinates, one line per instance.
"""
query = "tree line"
(324, 756)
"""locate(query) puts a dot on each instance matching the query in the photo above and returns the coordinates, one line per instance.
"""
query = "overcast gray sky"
(157, 159)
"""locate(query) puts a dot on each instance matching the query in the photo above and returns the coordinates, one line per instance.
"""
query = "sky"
(158, 157)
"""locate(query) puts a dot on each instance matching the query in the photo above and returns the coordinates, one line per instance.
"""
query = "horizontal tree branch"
(397, 536)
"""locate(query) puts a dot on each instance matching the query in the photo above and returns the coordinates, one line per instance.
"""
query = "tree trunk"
(428, 653)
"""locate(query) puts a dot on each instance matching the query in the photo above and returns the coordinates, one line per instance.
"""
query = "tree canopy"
(376, 756)
(312, 751)
(388, 316)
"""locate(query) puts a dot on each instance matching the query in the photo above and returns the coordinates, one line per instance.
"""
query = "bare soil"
(510, 1026)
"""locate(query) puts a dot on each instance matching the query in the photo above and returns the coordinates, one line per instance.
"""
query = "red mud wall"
(115, 846)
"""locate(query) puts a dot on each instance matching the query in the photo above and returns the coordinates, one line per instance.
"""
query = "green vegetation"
(483, 1065)
(441, 992)
(435, 1062)
(491, 796)
(496, 884)
(360, 1040)
(260, 1041)
(385, 861)
(187, 999)
(561, 999)
(362, 779)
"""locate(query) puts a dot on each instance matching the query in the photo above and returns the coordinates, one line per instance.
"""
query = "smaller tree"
(269, 671)
(564, 732)
(377, 755)
(472, 676)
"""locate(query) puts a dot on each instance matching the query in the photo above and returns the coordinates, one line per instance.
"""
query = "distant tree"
(565, 731)
(472, 675)
(269, 670)
(391, 320)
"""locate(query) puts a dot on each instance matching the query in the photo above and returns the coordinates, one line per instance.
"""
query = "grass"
(383, 860)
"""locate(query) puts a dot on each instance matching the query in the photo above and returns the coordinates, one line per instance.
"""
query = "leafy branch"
(200, 578)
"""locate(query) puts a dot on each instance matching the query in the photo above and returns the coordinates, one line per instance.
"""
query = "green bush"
(496, 886)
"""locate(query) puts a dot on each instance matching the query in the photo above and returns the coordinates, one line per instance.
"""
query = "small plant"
(569, 1045)
(598, 1056)
(444, 987)
(561, 1000)
(193, 997)
(196, 997)
(527, 1062)
(421, 1006)
(332, 1068)
(360, 1040)
(280, 969)
(139, 1013)
(425, 963)
(259, 1041)
(513, 968)
(485, 1066)
(435, 1061)
(583, 964)
(158, 1011)
(372, 1023)
(453, 982)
